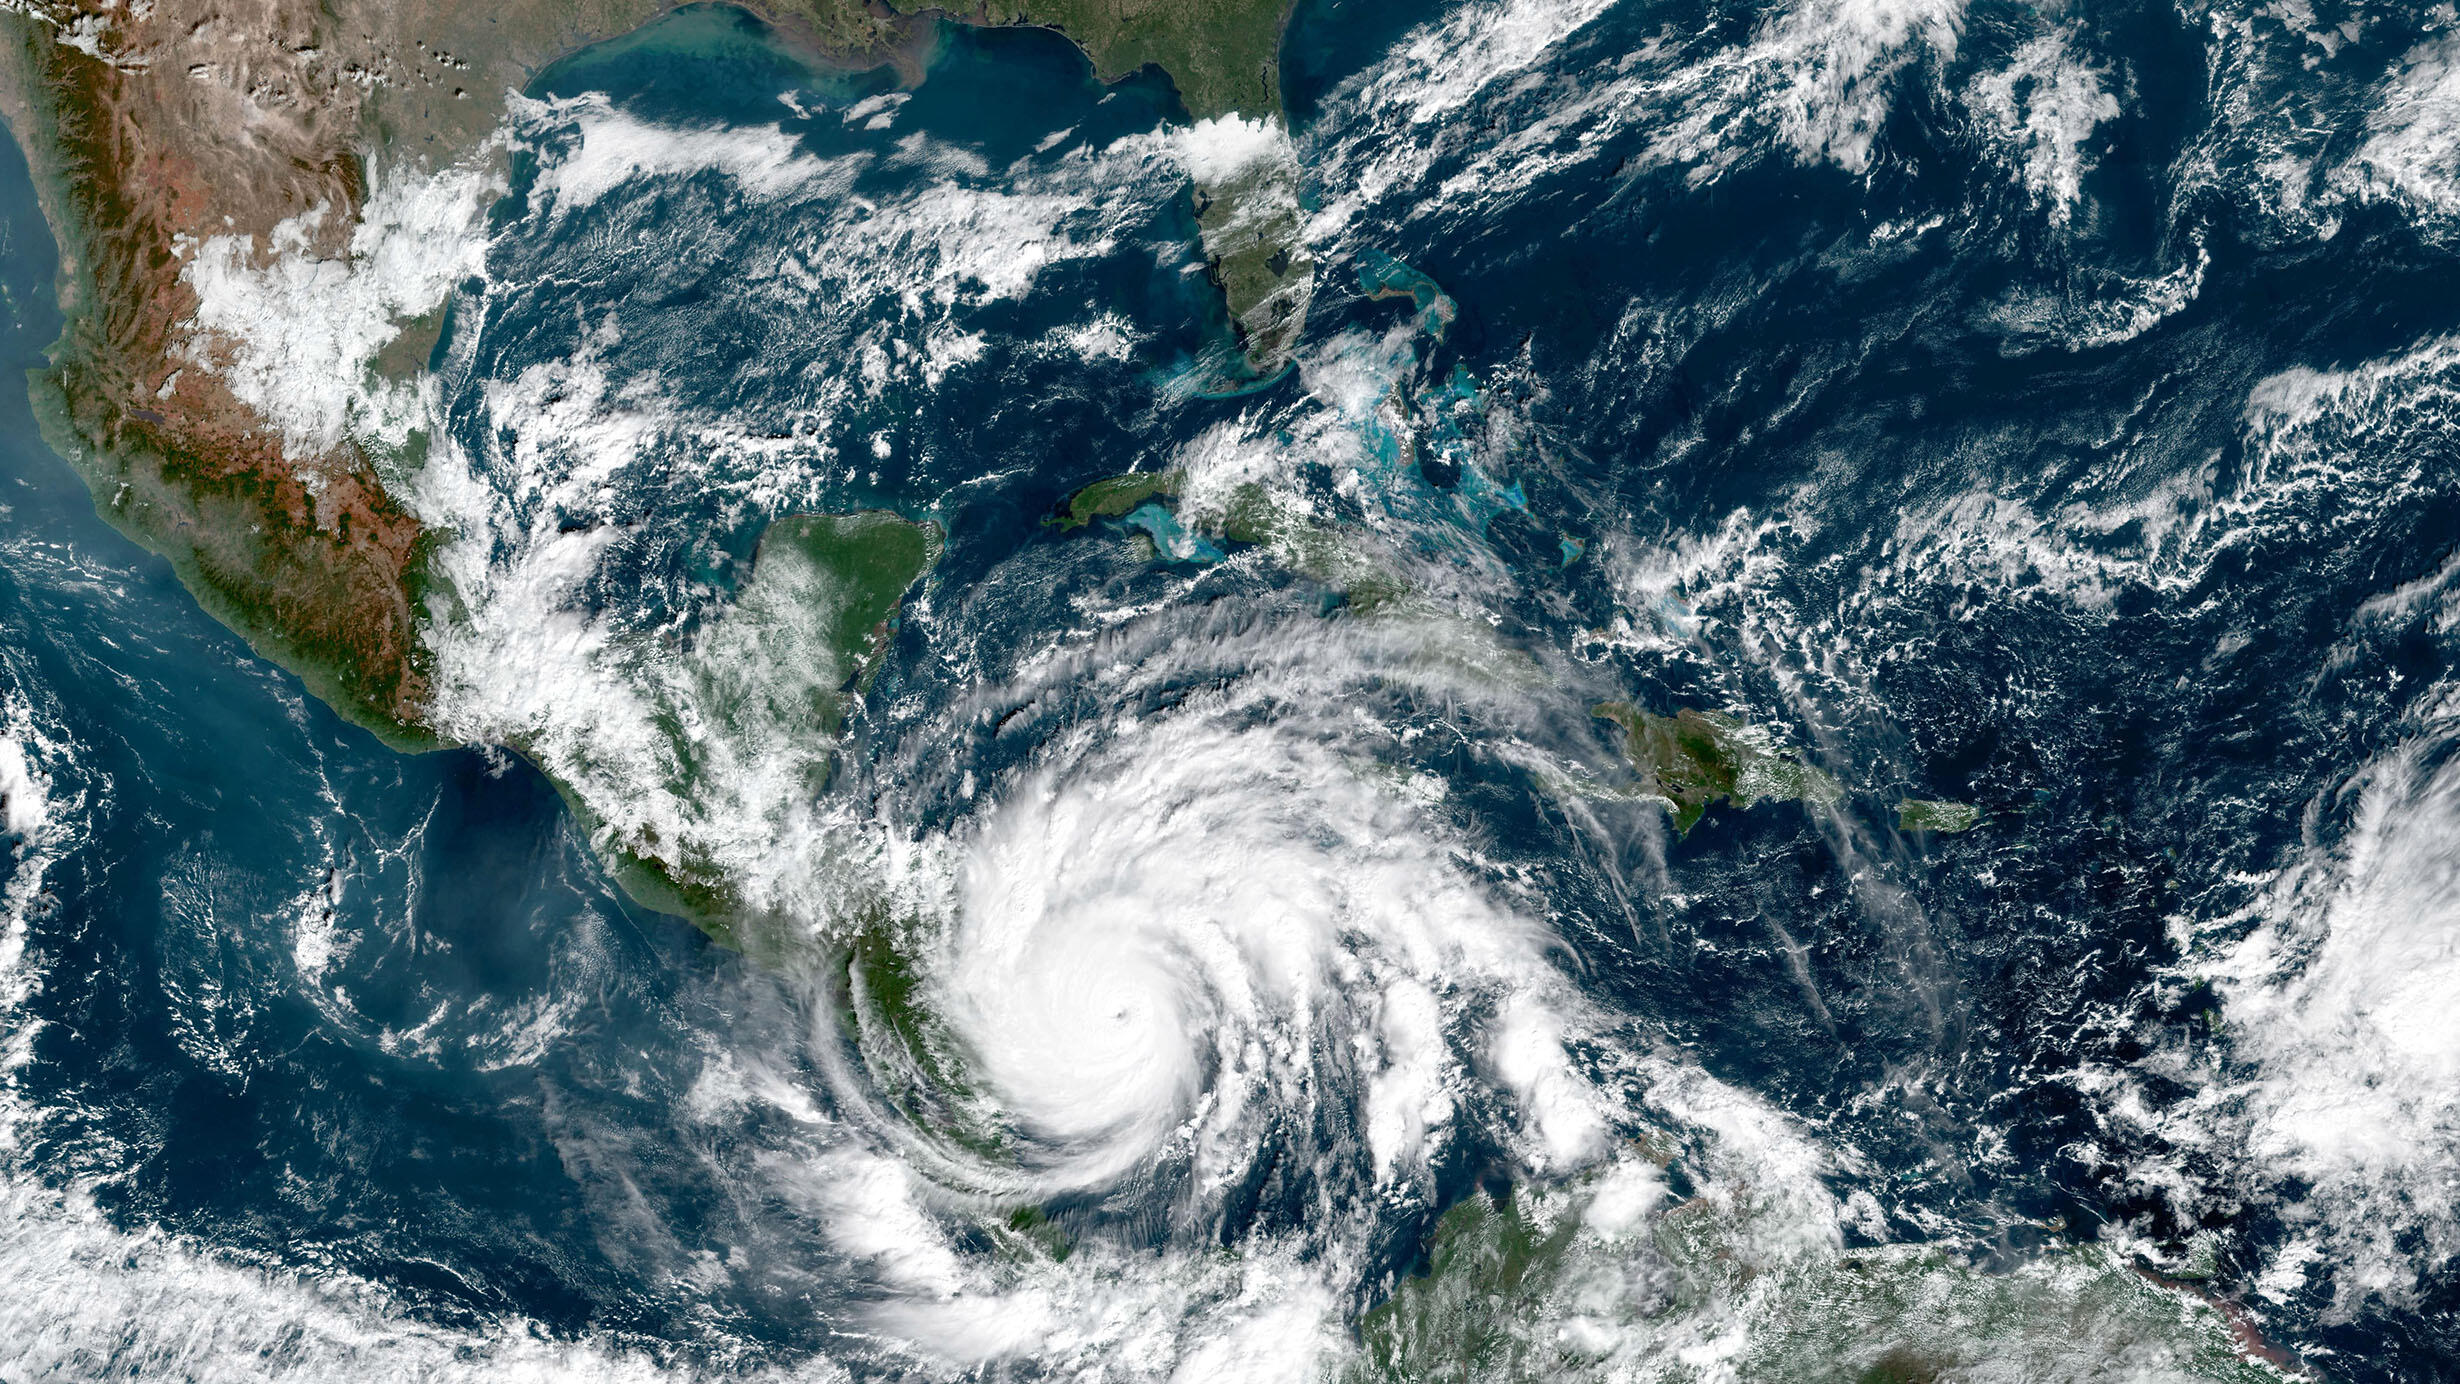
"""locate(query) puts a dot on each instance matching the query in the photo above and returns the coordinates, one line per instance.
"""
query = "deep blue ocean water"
(1886, 452)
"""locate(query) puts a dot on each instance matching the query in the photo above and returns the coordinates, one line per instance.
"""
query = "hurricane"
(1787, 712)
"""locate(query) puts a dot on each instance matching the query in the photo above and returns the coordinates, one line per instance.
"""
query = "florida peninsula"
(171, 139)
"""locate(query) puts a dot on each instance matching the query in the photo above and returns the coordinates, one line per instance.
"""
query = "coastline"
(309, 558)
(135, 480)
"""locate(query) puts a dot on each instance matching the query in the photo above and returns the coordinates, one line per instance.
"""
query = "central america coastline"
(1207, 983)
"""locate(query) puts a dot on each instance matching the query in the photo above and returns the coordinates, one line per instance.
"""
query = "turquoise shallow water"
(2117, 507)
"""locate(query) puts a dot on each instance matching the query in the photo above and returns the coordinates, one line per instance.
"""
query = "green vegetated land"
(1697, 759)
(1517, 1289)
(1114, 496)
(1223, 58)
(1257, 256)
(311, 559)
(1249, 517)
(1945, 818)
(773, 677)
(1312, 550)
(919, 1065)
(1220, 54)
(849, 573)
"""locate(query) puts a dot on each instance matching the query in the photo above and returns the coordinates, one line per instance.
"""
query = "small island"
(1931, 815)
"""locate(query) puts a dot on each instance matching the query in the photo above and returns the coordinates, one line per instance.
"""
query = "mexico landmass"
(179, 136)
